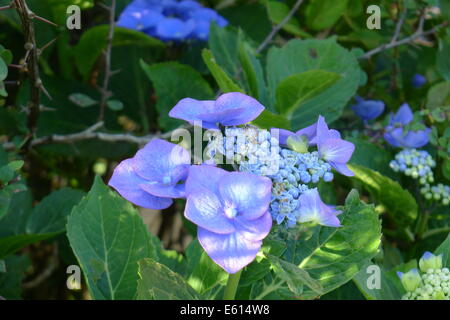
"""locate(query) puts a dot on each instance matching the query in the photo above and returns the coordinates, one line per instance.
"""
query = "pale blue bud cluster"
(439, 192)
(414, 163)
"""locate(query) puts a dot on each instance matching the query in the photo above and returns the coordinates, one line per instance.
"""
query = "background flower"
(368, 109)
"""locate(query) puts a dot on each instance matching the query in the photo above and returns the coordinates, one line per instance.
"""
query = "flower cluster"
(439, 192)
(234, 210)
(170, 20)
(416, 164)
(432, 284)
(395, 133)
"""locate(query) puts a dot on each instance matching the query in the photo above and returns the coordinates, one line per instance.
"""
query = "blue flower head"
(153, 176)
(231, 211)
(418, 81)
(368, 109)
(395, 134)
(170, 20)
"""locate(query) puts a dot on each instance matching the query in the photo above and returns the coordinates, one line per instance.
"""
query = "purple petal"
(127, 182)
(368, 109)
(342, 169)
(236, 100)
(173, 29)
(160, 160)
(391, 135)
(249, 194)
(232, 251)
(309, 132)
(312, 209)
(188, 109)
(219, 116)
(404, 115)
(205, 210)
(336, 150)
(166, 191)
(204, 177)
(254, 230)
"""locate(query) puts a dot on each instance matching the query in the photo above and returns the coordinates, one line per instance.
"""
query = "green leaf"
(444, 249)
(93, 42)
(295, 277)
(108, 238)
(115, 105)
(268, 120)
(298, 56)
(442, 60)
(3, 70)
(387, 290)
(295, 90)
(11, 278)
(157, 282)
(333, 256)
(82, 100)
(372, 156)
(172, 82)
(50, 215)
(322, 14)
(399, 203)
(438, 95)
(225, 83)
(277, 11)
(203, 275)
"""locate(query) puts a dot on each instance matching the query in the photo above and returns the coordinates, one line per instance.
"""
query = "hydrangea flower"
(395, 134)
(231, 212)
(230, 109)
(154, 176)
(312, 209)
(170, 20)
(418, 81)
(368, 109)
(430, 261)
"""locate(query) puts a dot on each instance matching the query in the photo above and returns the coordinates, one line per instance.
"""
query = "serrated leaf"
(297, 89)
(322, 14)
(400, 204)
(157, 282)
(277, 11)
(298, 56)
(226, 84)
(49, 215)
(333, 256)
(172, 82)
(108, 238)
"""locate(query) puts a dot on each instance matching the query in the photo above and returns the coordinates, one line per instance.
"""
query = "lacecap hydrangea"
(170, 20)
(275, 177)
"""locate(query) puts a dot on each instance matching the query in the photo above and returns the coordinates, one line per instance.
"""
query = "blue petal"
(236, 100)
(188, 109)
(336, 150)
(403, 116)
(254, 230)
(127, 182)
(368, 109)
(205, 210)
(174, 29)
(204, 177)
(160, 159)
(312, 209)
(249, 194)
(232, 251)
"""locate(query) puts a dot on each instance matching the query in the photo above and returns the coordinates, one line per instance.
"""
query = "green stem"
(232, 284)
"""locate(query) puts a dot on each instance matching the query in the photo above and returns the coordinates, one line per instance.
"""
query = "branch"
(419, 33)
(399, 25)
(105, 94)
(278, 27)
(91, 133)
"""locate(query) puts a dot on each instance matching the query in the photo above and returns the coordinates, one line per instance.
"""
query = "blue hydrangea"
(417, 164)
(170, 20)
(257, 151)
(439, 192)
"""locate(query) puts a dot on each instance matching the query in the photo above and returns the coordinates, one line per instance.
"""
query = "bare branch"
(105, 94)
(278, 27)
(398, 27)
(406, 40)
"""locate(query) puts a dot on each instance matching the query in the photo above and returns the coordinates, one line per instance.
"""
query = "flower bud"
(298, 143)
(411, 280)
(430, 261)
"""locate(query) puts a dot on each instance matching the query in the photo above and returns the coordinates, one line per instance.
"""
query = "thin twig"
(9, 6)
(278, 27)
(52, 265)
(91, 133)
(406, 40)
(105, 94)
(398, 27)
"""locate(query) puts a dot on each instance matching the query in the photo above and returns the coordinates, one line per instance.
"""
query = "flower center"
(231, 212)
(166, 180)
